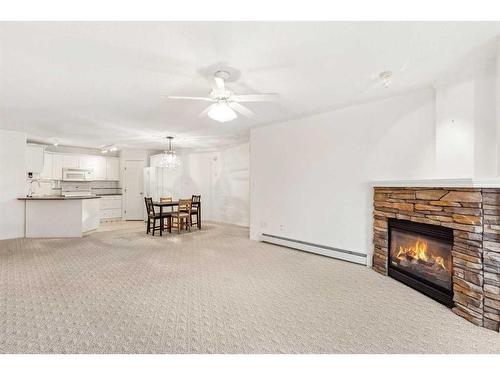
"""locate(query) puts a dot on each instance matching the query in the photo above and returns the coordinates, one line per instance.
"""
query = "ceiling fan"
(225, 103)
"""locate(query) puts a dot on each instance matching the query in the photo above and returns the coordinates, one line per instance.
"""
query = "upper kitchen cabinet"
(60, 161)
(34, 158)
(97, 164)
(52, 164)
(71, 161)
(57, 166)
(48, 166)
(112, 169)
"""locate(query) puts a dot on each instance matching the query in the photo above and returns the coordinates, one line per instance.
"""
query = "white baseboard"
(347, 255)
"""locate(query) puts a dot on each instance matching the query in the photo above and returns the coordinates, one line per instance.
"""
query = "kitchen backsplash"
(55, 187)
(106, 187)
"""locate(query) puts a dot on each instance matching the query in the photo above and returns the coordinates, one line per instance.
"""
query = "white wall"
(222, 179)
(466, 134)
(12, 183)
(231, 185)
(497, 106)
(455, 130)
(309, 177)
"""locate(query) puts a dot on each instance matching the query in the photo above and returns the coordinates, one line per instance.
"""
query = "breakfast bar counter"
(57, 216)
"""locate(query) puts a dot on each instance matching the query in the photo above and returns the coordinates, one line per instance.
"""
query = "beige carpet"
(210, 291)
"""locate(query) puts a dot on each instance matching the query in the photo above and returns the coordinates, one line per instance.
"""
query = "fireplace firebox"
(420, 255)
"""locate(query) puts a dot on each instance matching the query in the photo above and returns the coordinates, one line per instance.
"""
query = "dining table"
(172, 204)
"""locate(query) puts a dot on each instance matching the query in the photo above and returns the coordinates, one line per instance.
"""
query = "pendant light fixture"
(170, 159)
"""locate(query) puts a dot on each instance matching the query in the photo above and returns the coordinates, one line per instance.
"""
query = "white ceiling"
(93, 84)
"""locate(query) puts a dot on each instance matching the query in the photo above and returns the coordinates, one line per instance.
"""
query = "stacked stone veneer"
(474, 215)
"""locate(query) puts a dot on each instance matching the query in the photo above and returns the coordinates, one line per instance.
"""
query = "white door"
(134, 185)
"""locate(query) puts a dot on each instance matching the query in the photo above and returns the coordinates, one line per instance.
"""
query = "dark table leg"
(198, 219)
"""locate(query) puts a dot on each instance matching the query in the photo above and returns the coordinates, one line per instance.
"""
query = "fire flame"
(419, 251)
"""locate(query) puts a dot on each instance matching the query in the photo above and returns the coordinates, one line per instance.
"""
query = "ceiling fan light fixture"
(221, 112)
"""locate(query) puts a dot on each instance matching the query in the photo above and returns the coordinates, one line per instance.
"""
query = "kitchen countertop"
(56, 198)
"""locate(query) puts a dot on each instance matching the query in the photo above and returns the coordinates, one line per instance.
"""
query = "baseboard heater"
(350, 256)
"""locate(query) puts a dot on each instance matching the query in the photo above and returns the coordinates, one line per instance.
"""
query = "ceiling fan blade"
(255, 97)
(206, 110)
(190, 98)
(219, 83)
(240, 109)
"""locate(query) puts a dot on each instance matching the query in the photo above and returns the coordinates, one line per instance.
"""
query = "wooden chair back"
(149, 205)
(184, 205)
(196, 198)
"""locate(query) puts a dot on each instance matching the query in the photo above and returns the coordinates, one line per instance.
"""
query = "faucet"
(30, 189)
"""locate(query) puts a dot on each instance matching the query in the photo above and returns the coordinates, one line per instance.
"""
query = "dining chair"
(183, 214)
(194, 208)
(169, 218)
(152, 216)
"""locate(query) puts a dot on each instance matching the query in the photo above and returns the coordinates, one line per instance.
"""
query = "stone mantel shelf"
(433, 183)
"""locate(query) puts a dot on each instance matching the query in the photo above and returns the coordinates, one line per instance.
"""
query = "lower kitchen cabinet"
(110, 207)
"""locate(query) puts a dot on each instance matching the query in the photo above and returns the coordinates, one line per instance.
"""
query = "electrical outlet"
(282, 227)
(263, 224)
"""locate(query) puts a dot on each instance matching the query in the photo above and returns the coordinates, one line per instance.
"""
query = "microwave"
(76, 174)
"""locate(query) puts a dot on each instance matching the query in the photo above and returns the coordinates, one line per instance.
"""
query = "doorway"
(134, 190)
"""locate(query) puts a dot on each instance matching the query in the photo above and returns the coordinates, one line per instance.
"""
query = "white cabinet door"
(111, 207)
(86, 162)
(71, 161)
(34, 158)
(48, 166)
(100, 168)
(57, 166)
(60, 161)
(97, 164)
(110, 202)
(112, 169)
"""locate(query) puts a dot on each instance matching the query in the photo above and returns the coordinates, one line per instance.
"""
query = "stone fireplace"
(444, 242)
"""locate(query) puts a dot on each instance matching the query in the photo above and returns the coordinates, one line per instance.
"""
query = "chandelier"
(170, 159)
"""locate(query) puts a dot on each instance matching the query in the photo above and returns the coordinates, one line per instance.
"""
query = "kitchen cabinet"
(51, 164)
(60, 161)
(97, 164)
(86, 162)
(57, 166)
(48, 165)
(112, 169)
(34, 158)
(110, 207)
(71, 161)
